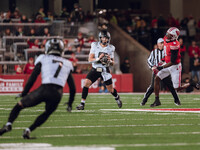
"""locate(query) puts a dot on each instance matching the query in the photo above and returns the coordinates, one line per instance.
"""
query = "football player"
(155, 59)
(101, 56)
(173, 64)
(55, 71)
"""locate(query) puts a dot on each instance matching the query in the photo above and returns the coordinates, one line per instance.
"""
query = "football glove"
(155, 70)
(18, 96)
(104, 60)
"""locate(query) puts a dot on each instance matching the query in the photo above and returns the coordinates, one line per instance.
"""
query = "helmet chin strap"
(104, 43)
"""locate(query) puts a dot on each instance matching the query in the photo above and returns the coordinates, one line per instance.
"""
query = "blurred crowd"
(140, 25)
(147, 29)
(76, 15)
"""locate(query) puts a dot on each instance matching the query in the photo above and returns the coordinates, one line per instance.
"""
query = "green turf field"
(97, 126)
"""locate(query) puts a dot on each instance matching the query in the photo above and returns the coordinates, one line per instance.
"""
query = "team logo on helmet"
(173, 33)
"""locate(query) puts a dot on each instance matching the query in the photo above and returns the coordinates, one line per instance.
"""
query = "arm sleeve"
(150, 60)
(32, 79)
(174, 54)
(72, 89)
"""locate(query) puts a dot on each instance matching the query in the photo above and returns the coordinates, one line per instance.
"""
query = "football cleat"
(156, 103)
(119, 102)
(143, 102)
(26, 134)
(81, 106)
(69, 108)
(178, 103)
(5, 128)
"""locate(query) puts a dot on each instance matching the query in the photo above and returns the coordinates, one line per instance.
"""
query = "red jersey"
(168, 46)
(28, 68)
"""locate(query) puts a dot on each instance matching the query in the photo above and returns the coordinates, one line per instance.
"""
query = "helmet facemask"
(104, 38)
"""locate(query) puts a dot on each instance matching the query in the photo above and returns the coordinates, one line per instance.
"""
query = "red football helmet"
(172, 33)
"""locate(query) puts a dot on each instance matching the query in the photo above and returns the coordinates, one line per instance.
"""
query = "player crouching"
(55, 71)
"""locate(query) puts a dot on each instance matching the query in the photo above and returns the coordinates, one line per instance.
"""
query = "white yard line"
(116, 134)
(149, 110)
(110, 126)
(44, 146)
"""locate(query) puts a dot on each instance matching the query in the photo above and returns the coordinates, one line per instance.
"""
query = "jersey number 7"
(59, 67)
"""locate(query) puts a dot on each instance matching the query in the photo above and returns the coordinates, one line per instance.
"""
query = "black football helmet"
(105, 34)
(54, 46)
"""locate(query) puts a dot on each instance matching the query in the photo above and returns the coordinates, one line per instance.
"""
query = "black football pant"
(49, 93)
(93, 75)
(167, 81)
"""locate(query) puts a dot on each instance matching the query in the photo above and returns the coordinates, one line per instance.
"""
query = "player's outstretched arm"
(32, 79)
(72, 89)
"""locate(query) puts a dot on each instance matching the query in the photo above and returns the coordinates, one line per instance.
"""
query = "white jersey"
(54, 69)
(97, 49)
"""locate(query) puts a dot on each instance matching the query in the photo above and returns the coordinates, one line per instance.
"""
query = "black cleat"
(119, 102)
(156, 103)
(195, 85)
(69, 108)
(81, 106)
(143, 102)
(178, 103)
(6, 128)
(26, 134)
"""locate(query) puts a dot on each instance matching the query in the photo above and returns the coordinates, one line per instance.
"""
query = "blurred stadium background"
(135, 26)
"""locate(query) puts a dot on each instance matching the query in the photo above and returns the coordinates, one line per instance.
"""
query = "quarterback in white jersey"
(101, 56)
(55, 71)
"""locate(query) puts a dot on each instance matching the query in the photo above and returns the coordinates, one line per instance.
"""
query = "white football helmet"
(106, 35)
(54, 46)
(172, 33)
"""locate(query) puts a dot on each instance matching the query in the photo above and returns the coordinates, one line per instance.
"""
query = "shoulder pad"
(39, 58)
(94, 44)
(112, 47)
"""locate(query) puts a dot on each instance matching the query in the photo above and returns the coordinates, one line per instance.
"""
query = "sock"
(8, 124)
(39, 121)
(14, 113)
(157, 98)
(84, 92)
(83, 101)
(115, 94)
(28, 130)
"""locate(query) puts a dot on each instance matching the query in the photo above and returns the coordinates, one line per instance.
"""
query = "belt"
(99, 69)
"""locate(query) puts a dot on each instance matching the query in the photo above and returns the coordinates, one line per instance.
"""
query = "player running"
(55, 71)
(101, 56)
